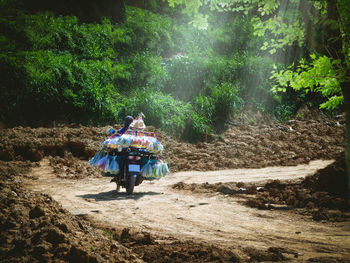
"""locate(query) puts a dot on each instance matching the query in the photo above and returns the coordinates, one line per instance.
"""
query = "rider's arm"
(121, 131)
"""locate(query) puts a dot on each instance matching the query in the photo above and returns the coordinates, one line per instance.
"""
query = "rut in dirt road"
(217, 219)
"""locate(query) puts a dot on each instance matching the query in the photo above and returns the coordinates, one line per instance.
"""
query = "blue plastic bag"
(103, 163)
(113, 167)
(165, 169)
(93, 161)
(146, 171)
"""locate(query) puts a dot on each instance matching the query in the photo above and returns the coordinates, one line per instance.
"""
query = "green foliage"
(284, 112)
(230, 34)
(86, 41)
(297, 23)
(204, 106)
(193, 74)
(145, 70)
(161, 110)
(318, 76)
(225, 100)
(61, 68)
(63, 86)
(185, 76)
(221, 104)
(148, 32)
(197, 128)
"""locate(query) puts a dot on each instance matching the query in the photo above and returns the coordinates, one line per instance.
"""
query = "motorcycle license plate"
(134, 168)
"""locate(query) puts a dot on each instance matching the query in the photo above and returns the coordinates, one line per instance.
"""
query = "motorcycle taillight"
(131, 157)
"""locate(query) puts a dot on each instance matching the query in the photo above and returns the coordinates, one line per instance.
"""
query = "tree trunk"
(346, 94)
(334, 47)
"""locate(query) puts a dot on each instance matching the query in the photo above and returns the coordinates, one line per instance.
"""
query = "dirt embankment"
(323, 196)
(35, 228)
(242, 146)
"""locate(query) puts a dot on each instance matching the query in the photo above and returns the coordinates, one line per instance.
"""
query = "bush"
(144, 70)
(204, 106)
(225, 101)
(284, 112)
(64, 33)
(74, 89)
(197, 128)
(211, 112)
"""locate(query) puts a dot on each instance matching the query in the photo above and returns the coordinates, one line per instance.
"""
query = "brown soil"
(322, 196)
(35, 228)
(201, 219)
(55, 207)
(244, 146)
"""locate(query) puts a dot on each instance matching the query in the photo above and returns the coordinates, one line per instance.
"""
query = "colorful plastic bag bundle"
(146, 171)
(125, 140)
(157, 170)
(157, 147)
(113, 167)
(154, 170)
(103, 163)
(165, 169)
(160, 169)
(140, 141)
(149, 143)
(112, 143)
(97, 157)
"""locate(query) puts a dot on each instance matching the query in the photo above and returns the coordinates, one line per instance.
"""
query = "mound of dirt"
(156, 249)
(323, 195)
(36, 228)
(151, 250)
(273, 254)
(70, 167)
(257, 146)
(245, 146)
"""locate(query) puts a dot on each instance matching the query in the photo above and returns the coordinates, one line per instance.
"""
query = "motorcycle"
(131, 162)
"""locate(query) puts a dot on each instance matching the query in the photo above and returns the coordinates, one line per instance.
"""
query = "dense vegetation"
(187, 79)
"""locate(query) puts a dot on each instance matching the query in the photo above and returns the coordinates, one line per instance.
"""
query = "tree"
(321, 25)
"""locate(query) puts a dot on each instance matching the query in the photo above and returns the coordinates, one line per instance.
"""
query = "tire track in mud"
(216, 219)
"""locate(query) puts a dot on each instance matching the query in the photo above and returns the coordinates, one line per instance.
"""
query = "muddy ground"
(35, 227)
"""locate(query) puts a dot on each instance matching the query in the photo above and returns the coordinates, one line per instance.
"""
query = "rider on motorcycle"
(127, 121)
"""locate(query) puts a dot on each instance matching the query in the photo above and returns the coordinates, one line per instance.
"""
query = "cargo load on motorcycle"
(131, 157)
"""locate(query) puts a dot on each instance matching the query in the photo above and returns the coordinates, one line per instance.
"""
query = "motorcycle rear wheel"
(130, 183)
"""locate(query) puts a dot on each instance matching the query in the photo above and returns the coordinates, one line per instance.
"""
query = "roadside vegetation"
(189, 78)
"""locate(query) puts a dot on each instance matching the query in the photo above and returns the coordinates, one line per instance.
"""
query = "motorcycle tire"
(130, 183)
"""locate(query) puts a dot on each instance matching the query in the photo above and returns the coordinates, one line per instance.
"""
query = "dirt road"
(216, 219)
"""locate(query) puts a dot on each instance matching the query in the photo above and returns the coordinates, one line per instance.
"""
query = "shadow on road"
(114, 195)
